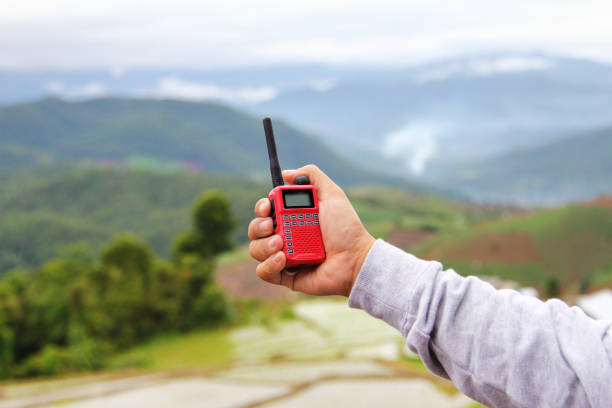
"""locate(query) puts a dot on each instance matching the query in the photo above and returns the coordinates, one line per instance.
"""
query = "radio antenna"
(275, 169)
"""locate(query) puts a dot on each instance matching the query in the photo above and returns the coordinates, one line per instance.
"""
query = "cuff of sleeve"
(387, 286)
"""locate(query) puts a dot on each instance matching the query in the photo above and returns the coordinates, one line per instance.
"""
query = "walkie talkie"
(295, 212)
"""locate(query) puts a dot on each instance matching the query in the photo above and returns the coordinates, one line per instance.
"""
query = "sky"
(120, 34)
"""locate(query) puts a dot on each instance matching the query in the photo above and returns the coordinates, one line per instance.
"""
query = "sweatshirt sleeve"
(499, 347)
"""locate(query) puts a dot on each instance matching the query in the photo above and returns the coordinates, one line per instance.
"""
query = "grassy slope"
(570, 243)
(383, 209)
(199, 349)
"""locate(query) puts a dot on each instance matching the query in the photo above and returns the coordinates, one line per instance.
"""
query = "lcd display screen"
(298, 198)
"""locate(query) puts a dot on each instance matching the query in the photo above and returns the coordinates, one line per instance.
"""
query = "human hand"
(345, 239)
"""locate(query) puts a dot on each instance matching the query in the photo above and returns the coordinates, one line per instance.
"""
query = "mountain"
(44, 209)
(206, 136)
(572, 244)
(464, 108)
(40, 215)
(561, 171)
(412, 122)
(161, 134)
(416, 117)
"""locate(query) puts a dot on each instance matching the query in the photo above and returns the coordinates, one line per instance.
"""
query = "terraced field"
(571, 244)
(327, 355)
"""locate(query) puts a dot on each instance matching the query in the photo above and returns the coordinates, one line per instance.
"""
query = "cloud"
(230, 33)
(88, 90)
(117, 71)
(484, 67)
(177, 88)
(323, 85)
(414, 144)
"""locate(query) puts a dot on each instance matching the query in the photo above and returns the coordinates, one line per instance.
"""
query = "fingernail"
(278, 257)
(274, 242)
(265, 226)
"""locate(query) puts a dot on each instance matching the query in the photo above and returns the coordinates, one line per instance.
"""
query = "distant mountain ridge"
(206, 136)
(476, 105)
(469, 107)
(217, 138)
(417, 123)
(564, 170)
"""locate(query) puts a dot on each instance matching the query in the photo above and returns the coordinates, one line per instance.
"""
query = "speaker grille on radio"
(306, 240)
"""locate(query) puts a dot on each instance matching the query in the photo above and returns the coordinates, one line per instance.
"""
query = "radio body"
(295, 213)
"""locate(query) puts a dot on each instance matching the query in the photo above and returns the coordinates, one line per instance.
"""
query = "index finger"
(262, 207)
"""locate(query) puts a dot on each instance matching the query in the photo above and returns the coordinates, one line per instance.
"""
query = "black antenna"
(275, 170)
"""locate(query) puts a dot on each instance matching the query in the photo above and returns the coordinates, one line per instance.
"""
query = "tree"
(552, 287)
(121, 310)
(128, 253)
(70, 314)
(212, 224)
(6, 348)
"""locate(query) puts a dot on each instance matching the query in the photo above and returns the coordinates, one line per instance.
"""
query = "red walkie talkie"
(295, 212)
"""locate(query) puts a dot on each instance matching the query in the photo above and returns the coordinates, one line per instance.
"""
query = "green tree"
(15, 310)
(117, 295)
(71, 314)
(189, 243)
(553, 289)
(7, 341)
(128, 253)
(212, 224)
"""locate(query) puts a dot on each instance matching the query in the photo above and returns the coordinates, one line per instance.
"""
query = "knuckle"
(311, 168)
(252, 249)
(262, 271)
(251, 229)
(264, 227)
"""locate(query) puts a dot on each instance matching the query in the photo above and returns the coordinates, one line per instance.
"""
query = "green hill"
(566, 170)
(40, 215)
(156, 134)
(571, 244)
(45, 208)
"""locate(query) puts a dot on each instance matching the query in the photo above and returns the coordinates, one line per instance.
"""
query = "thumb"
(318, 179)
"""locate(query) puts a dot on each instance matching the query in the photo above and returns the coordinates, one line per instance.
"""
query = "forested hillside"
(90, 206)
(201, 137)
(46, 208)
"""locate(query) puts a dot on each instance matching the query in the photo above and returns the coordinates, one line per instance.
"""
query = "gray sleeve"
(498, 347)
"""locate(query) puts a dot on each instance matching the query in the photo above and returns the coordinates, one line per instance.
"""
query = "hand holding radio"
(344, 238)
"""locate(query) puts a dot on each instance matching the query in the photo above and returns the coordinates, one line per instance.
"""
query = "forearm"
(498, 347)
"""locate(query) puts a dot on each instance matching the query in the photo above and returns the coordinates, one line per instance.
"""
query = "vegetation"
(383, 209)
(198, 349)
(160, 135)
(46, 208)
(211, 218)
(554, 250)
(73, 313)
(42, 214)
